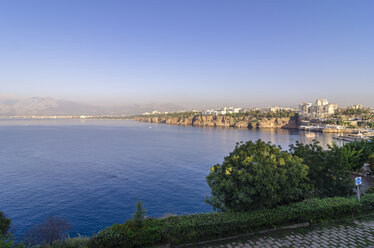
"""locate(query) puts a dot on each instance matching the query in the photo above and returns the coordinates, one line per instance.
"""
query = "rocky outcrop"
(223, 121)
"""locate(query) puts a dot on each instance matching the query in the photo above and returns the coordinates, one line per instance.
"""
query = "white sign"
(358, 180)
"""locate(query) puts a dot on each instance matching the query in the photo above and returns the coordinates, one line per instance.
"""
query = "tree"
(257, 175)
(4, 224)
(139, 214)
(53, 228)
(6, 239)
(353, 154)
(328, 170)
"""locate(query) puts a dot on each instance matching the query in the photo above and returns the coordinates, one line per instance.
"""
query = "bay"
(92, 172)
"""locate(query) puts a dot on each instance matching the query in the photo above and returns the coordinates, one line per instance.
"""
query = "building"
(321, 102)
(304, 109)
(222, 111)
(356, 106)
(320, 109)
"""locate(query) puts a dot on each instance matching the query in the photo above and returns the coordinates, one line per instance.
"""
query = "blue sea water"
(92, 172)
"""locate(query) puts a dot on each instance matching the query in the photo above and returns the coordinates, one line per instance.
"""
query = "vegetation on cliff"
(254, 119)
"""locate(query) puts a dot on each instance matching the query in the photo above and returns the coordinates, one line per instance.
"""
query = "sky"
(195, 53)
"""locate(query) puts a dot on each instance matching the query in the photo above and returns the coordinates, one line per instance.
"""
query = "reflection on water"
(92, 171)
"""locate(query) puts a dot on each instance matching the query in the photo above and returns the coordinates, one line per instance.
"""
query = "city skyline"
(193, 54)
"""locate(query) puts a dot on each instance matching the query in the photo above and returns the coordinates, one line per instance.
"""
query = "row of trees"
(262, 175)
(271, 114)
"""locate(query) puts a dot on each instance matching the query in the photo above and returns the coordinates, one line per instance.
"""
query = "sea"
(92, 172)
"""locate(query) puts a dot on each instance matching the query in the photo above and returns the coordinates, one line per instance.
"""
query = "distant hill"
(44, 106)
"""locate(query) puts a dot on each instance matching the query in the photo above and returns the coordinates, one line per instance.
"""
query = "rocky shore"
(222, 121)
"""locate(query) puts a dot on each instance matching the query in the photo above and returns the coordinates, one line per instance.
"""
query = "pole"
(358, 192)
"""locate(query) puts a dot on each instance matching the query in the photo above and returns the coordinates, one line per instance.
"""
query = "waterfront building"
(320, 109)
(304, 109)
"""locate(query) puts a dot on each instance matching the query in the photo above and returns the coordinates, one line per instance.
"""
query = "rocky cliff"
(223, 121)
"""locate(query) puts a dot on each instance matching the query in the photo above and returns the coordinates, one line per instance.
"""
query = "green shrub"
(371, 162)
(193, 228)
(4, 224)
(328, 169)
(6, 241)
(78, 242)
(257, 175)
(129, 235)
(370, 190)
(139, 215)
(199, 227)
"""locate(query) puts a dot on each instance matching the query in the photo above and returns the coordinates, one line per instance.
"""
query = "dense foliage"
(4, 224)
(371, 162)
(50, 230)
(270, 114)
(129, 235)
(257, 175)
(328, 170)
(198, 227)
(360, 152)
(6, 239)
(139, 215)
(355, 112)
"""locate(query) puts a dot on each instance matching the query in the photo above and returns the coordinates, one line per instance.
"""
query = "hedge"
(198, 227)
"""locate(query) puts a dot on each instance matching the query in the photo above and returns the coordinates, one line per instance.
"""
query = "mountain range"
(47, 106)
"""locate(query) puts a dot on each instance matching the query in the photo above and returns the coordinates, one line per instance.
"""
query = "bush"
(328, 170)
(78, 242)
(50, 230)
(257, 175)
(199, 227)
(139, 215)
(129, 235)
(193, 228)
(6, 241)
(4, 224)
(371, 162)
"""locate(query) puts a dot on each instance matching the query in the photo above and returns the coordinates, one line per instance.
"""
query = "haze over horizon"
(193, 54)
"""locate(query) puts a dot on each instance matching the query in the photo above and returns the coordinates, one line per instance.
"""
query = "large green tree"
(257, 175)
(328, 169)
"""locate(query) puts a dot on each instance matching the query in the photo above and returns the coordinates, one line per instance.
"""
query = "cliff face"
(223, 121)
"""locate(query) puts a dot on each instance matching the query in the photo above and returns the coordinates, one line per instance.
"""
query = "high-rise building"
(320, 109)
(304, 109)
(321, 102)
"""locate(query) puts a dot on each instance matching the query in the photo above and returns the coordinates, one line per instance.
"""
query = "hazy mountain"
(50, 106)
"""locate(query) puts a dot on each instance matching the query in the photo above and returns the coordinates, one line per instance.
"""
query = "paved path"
(358, 233)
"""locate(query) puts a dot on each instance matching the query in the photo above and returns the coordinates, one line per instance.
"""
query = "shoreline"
(243, 122)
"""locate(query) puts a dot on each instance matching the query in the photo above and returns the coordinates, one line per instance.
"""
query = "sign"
(358, 180)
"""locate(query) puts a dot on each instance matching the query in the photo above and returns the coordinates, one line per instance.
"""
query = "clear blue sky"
(191, 52)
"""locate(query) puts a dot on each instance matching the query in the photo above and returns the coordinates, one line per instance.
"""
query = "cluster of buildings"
(233, 110)
(222, 111)
(321, 109)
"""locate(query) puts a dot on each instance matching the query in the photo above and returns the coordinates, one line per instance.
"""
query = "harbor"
(342, 133)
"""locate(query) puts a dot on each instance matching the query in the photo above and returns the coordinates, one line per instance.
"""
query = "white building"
(222, 111)
(320, 109)
(321, 102)
(304, 109)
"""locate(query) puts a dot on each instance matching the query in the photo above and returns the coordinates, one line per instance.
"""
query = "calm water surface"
(93, 171)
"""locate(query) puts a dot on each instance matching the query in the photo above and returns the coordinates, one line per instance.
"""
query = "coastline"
(223, 121)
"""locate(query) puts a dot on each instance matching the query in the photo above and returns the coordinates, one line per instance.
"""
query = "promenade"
(354, 233)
